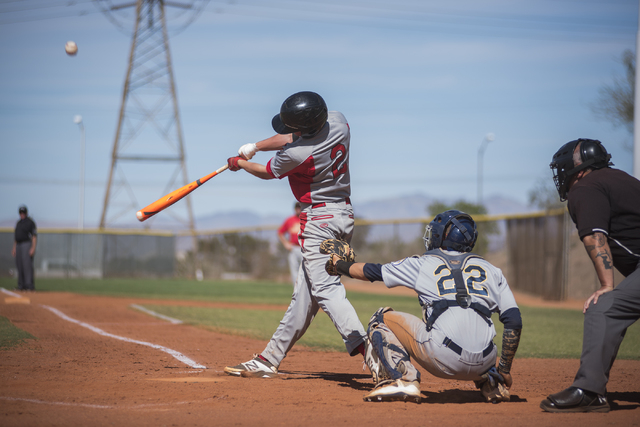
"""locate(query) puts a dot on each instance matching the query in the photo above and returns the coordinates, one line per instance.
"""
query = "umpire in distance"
(24, 248)
(604, 203)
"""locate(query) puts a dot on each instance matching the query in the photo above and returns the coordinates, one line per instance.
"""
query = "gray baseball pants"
(24, 264)
(605, 325)
(295, 261)
(427, 348)
(315, 289)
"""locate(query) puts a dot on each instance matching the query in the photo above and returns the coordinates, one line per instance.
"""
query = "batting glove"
(247, 151)
(233, 163)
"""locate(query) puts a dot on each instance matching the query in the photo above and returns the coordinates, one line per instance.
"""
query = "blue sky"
(421, 83)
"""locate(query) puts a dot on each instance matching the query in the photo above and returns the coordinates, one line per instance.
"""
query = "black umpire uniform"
(25, 239)
(606, 201)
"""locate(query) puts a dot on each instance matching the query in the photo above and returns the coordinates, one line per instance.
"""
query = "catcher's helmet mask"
(592, 154)
(304, 112)
(451, 230)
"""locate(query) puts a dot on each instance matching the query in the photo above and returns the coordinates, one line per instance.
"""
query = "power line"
(441, 21)
(47, 5)
(376, 14)
(38, 11)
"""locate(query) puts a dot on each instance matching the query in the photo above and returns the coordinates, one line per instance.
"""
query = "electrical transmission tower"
(148, 146)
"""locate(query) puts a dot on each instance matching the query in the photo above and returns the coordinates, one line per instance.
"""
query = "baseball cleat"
(254, 368)
(394, 390)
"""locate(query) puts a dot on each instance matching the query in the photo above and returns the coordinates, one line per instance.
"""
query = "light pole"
(483, 146)
(78, 120)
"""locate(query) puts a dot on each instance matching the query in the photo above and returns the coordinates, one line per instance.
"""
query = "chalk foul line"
(87, 405)
(13, 294)
(158, 315)
(177, 355)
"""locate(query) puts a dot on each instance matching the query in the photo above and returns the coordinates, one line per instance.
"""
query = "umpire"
(604, 203)
(24, 248)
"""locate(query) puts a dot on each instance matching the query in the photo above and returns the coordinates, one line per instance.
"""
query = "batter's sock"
(361, 349)
(262, 358)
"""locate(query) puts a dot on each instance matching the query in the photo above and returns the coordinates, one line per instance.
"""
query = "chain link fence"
(539, 253)
(95, 254)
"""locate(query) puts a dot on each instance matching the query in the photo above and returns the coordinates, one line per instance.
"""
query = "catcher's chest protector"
(455, 264)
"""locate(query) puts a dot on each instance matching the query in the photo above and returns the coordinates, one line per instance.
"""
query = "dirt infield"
(73, 376)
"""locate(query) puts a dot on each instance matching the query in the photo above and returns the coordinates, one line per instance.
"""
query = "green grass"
(10, 336)
(547, 333)
(248, 292)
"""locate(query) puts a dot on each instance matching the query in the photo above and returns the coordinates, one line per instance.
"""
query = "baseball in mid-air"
(71, 48)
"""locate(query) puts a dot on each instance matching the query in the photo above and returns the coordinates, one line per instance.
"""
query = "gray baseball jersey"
(318, 173)
(433, 281)
(317, 167)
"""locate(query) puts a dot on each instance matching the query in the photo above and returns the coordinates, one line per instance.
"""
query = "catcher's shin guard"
(378, 317)
(389, 359)
(378, 373)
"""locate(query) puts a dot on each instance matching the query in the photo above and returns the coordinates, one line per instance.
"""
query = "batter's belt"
(323, 204)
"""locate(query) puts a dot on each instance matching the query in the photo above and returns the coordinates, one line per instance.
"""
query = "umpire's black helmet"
(592, 154)
(304, 112)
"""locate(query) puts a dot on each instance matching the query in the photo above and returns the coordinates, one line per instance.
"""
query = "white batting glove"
(247, 151)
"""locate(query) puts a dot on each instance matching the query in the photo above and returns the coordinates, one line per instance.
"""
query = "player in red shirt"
(288, 235)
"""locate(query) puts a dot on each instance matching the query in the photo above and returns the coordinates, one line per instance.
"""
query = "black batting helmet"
(304, 112)
(592, 154)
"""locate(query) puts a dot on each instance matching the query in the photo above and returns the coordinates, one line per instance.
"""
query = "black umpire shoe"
(575, 399)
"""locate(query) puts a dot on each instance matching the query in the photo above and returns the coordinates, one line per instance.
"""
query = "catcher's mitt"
(340, 248)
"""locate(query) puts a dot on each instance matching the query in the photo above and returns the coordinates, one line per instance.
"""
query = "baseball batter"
(313, 154)
(458, 291)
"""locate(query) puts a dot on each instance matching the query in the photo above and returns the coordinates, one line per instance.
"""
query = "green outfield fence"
(539, 253)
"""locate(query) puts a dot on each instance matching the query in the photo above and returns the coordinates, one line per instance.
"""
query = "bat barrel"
(171, 198)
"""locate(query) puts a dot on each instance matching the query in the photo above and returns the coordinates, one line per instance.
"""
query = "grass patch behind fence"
(547, 332)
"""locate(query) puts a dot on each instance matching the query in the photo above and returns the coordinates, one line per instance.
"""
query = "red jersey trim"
(301, 178)
(269, 171)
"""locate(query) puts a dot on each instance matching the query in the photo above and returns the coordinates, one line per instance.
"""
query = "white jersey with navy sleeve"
(432, 280)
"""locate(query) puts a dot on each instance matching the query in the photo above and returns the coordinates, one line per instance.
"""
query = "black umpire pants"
(24, 264)
(605, 325)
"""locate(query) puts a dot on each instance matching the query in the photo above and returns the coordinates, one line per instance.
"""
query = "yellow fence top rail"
(148, 232)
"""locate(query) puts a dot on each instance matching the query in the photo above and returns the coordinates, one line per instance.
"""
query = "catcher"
(458, 292)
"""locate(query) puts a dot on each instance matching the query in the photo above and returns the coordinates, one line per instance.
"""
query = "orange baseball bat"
(168, 200)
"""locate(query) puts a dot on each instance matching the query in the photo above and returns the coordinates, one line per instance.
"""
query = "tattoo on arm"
(510, 342)
(600, 239)
(601, 250)
(606, 259)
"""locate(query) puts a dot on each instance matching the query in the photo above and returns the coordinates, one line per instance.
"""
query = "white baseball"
(71, 48)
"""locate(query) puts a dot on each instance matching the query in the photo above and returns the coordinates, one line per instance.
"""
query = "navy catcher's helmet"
(452, 230)
(592, 154)
(304, 112)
